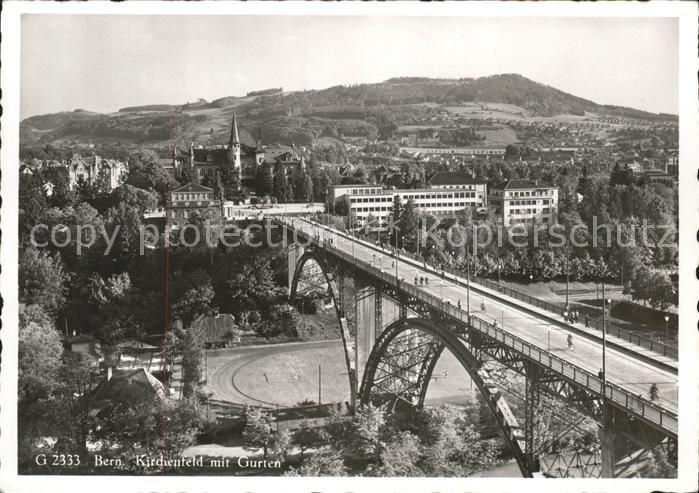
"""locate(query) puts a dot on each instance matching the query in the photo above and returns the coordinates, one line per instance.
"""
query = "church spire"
(234, 140)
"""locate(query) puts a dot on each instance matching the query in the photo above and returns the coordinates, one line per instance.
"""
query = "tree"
(190, 346)
(397, 209)
(42, 280)
(303, 186)
(395, 218)
(321, 183)
(307, 437)
(147, 172)
(280, 185)
(257, 431)
(264, 181)
(233, 187)
(194, 303)
(452, 446)
(32, 201)
(407, 224)
(141, 199)
(253, 288)
(400, 456)
(75, 401)
(321, 465)
(39, 353)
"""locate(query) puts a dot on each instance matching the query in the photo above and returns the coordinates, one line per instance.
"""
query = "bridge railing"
(634, 404)
(663, 348)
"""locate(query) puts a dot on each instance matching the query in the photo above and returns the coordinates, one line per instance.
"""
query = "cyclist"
(570, 342)
(416, 280)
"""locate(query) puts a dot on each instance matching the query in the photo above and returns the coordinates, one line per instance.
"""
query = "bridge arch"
(400, 367)
(303, 265)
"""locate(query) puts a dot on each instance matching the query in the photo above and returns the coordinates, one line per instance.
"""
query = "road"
(622, 369)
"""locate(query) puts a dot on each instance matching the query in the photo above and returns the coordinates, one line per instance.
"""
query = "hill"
(339, 112)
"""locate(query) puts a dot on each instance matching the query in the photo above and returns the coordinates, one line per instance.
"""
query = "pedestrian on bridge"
(458, 303)
(416, 280)
(653, 392)
(587, 321)
(565, 315)
(570, 342)
(483, 305)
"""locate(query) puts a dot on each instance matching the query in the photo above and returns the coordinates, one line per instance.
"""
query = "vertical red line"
(166, 304)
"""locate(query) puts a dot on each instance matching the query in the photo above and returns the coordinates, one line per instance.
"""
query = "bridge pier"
(294, 252)
(367, 322)
(373, 312)
(607, 439)
(532, 396)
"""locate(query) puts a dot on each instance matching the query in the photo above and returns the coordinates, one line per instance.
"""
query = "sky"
(106, 62)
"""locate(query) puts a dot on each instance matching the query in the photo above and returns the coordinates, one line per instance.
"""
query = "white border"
(689, 292)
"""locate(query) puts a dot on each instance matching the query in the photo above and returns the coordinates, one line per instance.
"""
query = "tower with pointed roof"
(234, 144)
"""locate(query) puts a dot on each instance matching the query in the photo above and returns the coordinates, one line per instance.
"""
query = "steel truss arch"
(336, 294)
(430, 339)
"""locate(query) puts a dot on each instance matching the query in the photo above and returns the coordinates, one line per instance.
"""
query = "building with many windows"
(446, 196)
(524, 202)
(192, 199)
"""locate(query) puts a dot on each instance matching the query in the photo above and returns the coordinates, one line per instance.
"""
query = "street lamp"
(667, 328)
(567, 279)
(468, 286)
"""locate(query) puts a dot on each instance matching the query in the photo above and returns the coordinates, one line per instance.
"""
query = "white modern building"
(524, 202)
(454, 151)
(448, 194)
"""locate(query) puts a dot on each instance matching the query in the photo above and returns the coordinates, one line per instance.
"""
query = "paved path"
(623, 369)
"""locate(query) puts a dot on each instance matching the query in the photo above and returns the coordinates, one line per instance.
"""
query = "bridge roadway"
(623, 369)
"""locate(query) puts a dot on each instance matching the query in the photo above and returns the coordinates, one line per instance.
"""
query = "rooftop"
(193, 187)
(522, 185)
(453, 178)
(140, 379)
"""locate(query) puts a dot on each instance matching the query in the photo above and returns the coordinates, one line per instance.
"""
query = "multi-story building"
(524, 202)
(190, 199)
(88, 167)
(455, 151)
(208, 161)
(446, 196)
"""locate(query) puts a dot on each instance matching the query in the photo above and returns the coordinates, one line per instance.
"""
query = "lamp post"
(468, 286)
(417, 247)
(604, 361)
(667, 328)
(567, 278)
